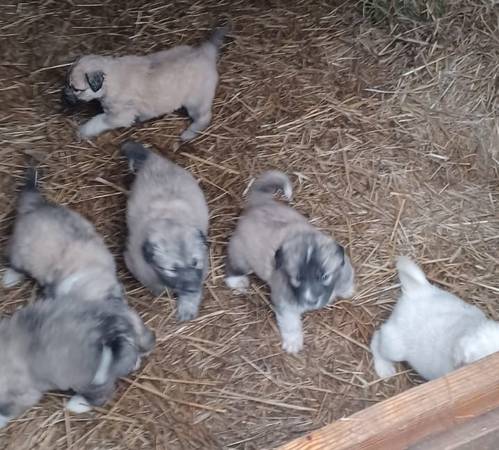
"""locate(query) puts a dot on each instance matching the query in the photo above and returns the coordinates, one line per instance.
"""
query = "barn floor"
(387, 130)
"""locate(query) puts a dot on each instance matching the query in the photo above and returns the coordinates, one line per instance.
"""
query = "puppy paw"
(4, 421)
(239, 283)
(85, 131)
(188, 135)
(11, 277)
(186, 312)
(292, 344)
(78, 405)
(384, 368)
(137, 364)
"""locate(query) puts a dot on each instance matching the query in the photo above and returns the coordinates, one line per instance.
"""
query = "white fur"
(102, 373)
(290, 326)
(4, 421)
(433, 330)
(11, 277)
(78, 405)
(239, 283)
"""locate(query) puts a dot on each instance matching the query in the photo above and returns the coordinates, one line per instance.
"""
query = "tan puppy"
(59, 344)
(60, 249)
(167, 219)
(305, 269)
(138, 88)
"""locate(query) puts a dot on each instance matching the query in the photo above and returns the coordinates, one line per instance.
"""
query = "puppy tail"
(217, 37)
(135, 153)
(410, 275)
(30, 197)
(267, 184)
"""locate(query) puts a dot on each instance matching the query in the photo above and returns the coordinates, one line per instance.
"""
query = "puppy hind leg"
(201, 118)
(386, 348)
(188, 305)
(236, 274)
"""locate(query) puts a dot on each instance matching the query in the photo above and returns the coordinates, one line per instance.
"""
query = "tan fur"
(167, 208)
(138, 88)
(268, 227)
(61, 250)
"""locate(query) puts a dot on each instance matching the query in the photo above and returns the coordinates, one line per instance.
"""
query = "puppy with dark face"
(305, 269)
(139, 88)
(66, 345)
(167, 219)
(60, 249)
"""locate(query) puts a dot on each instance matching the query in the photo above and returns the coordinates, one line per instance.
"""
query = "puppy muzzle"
(69, 97)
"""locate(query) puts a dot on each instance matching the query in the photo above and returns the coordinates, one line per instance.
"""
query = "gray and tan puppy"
(60, 249)
(64, 345)
(137, 88)
(167, 219)
(305, 269)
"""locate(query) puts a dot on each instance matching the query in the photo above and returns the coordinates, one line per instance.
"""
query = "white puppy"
(138, 88)
(60, 249)
(431, 329)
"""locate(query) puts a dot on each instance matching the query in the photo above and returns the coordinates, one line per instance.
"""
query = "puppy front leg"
(96, 395)
(105, 121)
(188, 305)
(386, 347)
(290, 326)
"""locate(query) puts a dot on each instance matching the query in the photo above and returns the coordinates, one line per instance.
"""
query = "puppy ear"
(204, 239)
(340, 251)
(344, 286)
(95, 79)
(278, 258)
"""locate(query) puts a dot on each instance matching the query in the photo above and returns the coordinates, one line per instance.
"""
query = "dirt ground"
(386, 125)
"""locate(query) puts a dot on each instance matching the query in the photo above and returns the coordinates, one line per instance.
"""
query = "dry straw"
(386, 123)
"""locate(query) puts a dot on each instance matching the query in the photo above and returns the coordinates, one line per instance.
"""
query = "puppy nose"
(69, 97)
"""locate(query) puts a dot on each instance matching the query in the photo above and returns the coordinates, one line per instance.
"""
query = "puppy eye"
(326, 277)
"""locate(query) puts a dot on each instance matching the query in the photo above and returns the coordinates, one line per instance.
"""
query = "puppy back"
(268, 184)
(410, 275)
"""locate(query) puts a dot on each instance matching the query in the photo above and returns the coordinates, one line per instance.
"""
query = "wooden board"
(410, 417)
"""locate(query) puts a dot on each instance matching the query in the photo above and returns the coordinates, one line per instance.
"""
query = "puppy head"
(85, 80)
(178, 254)
(316, 268)
(480, 342)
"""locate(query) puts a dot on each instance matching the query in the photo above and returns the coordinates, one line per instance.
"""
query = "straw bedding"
(385, 121)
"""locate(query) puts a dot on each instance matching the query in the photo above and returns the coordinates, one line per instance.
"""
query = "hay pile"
(386, 124)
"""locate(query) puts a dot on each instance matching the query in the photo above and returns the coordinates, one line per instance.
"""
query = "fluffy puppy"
(167, 219)
(305, 269)
(137, 88)
(64, 345)
(433, 330)
(60, 249)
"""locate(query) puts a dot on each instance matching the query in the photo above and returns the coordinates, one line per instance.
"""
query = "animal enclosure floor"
(388, 133)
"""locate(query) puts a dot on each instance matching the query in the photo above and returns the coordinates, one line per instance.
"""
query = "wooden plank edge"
(400, 421)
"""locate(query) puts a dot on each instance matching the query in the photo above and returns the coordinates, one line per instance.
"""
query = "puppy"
(305, 269)
(433, 330)
(66, 345)
(137, 88)
(167, 219)
(60, 249)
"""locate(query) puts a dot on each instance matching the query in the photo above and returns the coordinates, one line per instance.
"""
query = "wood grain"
(412, 416)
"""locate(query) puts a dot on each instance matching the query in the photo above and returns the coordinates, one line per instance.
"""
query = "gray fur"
(60, 249)
(304, 268)
(58, 345)
(167, 218)
(132, 88)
